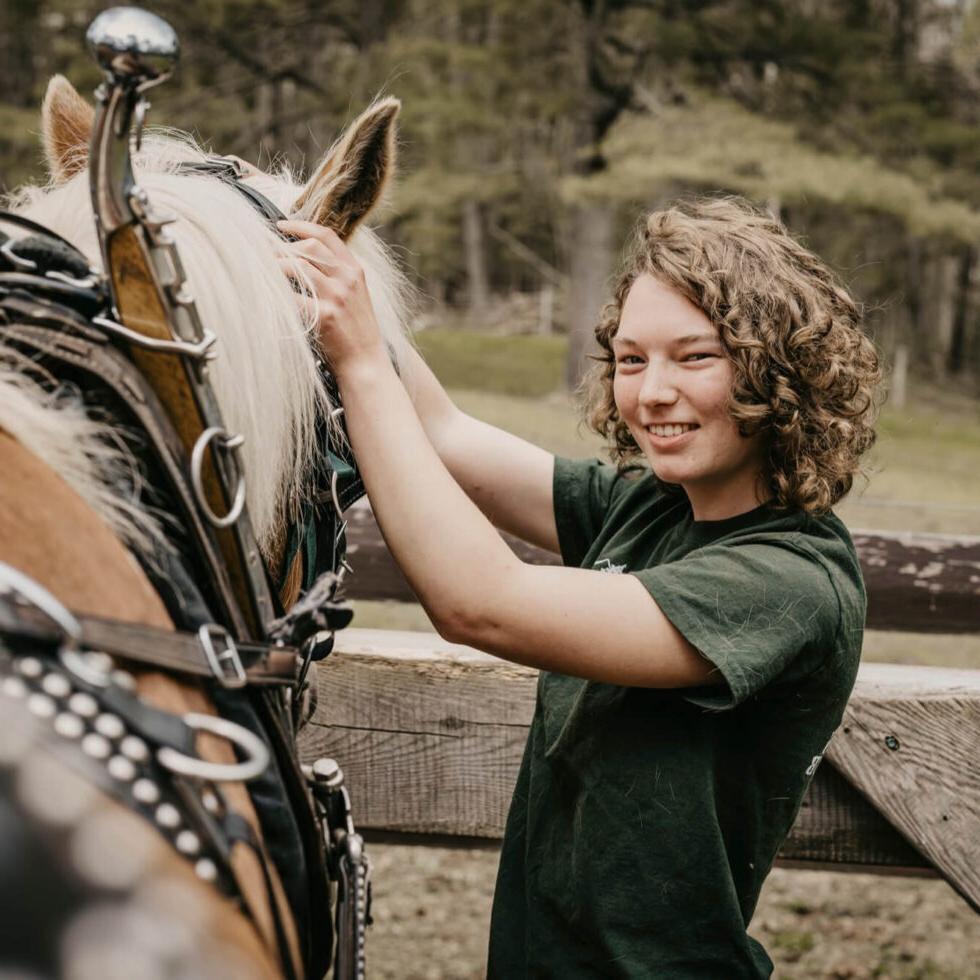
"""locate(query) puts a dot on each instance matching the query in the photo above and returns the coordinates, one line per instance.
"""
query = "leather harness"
(57, 321)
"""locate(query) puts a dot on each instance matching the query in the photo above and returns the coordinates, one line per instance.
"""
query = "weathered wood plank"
(911, 745)
(430, 735)
(916, 582)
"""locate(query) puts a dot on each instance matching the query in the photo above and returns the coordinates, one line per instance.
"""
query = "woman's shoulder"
(825, 554)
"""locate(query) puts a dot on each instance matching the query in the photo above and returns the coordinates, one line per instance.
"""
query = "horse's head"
(265, 375)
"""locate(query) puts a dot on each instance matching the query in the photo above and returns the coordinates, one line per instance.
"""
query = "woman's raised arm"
(508, 478)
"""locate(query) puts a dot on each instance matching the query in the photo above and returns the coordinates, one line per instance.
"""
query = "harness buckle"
(226, 665)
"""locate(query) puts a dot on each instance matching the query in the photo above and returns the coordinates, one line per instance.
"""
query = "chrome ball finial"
(132, 44)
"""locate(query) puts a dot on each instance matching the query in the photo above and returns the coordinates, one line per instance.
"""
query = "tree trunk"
(591, 263)
(944, 305)
(957, 344)
(478, 283)
(546, 309)
(898, 395)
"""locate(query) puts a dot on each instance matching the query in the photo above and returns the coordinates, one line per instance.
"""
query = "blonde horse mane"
(265, 375)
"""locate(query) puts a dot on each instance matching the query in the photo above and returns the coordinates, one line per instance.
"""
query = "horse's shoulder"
(48, 532)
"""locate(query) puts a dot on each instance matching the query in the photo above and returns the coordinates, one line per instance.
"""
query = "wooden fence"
(430, 734)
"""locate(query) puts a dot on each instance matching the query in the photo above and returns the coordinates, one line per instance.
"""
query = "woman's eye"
(698, 357)
(630, 359)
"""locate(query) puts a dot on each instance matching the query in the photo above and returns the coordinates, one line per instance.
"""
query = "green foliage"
(714, 144)
(857, 117)
(19, 147)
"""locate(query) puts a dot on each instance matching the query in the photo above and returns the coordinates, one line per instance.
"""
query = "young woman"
(700, 643)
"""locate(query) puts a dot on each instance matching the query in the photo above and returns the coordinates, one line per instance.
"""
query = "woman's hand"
(346, 326)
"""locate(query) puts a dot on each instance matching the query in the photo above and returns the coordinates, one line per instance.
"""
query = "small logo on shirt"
(605, 565)
(812, 768)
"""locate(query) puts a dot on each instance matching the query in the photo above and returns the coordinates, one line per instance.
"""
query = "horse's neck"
(50, 534)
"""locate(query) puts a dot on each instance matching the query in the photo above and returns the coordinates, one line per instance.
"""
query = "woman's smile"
(671, 435)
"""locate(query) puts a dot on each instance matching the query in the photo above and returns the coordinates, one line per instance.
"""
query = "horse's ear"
(66, 128)
(352, 176)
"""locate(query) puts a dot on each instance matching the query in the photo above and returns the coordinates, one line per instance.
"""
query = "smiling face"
(671, 388)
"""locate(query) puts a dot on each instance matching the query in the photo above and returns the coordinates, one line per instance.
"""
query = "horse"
(95, 883)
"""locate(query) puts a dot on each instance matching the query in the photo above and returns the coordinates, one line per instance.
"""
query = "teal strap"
(302, 534)
(344, 470)
(309, 544)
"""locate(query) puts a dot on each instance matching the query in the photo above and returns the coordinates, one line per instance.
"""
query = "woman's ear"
(352, 177)
(66, 128)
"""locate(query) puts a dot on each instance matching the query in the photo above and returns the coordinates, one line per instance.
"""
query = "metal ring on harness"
(197, 463)
(334, 476)
(36, 594)
(334, 494)
(84, 666)
(250, 744)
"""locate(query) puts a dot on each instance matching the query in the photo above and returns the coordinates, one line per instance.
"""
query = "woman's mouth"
(670, 434)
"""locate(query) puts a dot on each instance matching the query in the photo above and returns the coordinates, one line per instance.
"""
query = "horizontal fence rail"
(921, 583)
(430, 735)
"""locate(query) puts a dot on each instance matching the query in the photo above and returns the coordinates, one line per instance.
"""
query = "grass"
(792, 943)
(924, 464)
(523, 366)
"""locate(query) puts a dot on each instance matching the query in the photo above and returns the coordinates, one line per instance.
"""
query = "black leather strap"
(148, 646)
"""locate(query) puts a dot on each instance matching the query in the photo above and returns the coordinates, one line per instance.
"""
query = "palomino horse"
(104, 872)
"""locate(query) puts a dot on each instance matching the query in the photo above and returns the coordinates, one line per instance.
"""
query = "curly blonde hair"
(805, 374)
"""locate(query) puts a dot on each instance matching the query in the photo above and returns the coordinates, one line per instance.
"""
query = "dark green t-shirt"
(644, 821)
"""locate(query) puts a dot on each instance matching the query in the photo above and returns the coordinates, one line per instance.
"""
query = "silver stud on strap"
(188, 842)
(111, 726)
(121, 768)
(167, 815)
(124, 679)
(30, 667)
(56, 685)
(133, 747)
(211, 802)
(14, 687)
(206, 870)
(83, 704)
(68, 725)
(41, 706)
(146, 791)
(96, 746)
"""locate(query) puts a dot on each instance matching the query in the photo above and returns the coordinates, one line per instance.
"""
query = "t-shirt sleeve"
(758, 610)
(583, 491)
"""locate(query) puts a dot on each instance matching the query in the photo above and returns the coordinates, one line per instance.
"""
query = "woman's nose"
(658, 386)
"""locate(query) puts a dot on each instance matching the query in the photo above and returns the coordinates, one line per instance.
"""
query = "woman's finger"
(314, 252)
(310, 230)
(308, 279)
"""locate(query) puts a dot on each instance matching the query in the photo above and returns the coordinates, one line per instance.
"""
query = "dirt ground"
(432, 908)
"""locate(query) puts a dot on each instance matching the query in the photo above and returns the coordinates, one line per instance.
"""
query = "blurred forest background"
(533, 134)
